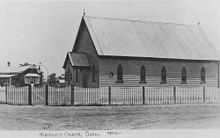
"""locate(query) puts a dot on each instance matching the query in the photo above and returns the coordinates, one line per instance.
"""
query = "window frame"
(163, 75)
(142, 74)
(202, 76)
(183, 75)
(119, 74)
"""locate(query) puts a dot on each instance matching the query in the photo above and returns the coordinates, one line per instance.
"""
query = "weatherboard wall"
(131, 72)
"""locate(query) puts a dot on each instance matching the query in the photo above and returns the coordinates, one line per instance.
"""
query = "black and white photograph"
(93, 69)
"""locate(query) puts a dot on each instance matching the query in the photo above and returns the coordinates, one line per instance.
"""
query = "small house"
(20, 76)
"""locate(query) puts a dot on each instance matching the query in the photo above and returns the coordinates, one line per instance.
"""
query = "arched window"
(143, 74)
(93, 73)
(163, 75)
(202, 75)
(119, 74)
(183, 75)
(77, 75)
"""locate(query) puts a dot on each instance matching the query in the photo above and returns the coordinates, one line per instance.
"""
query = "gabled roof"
(131, 38)
(77, 59)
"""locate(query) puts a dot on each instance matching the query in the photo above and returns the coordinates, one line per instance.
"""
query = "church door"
(85, 78)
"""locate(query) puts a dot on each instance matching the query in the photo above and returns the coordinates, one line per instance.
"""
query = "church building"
(121, 52)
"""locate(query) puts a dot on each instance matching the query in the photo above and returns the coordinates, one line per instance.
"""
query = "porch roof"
(32, 75)
(77, 59)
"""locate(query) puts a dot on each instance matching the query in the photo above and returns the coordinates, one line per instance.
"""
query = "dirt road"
(183, 116)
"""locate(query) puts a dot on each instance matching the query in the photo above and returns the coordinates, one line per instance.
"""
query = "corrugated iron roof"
(78, 59)
(6, 76)
(120, 37)
(14, 70)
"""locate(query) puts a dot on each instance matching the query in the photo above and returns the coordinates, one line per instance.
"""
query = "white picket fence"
(126, 95)
(146, 95)
(17, 95)
(189, 95)
(38, 95)
(59, 96)
(109, 95)
(91, 96)
(212, 95)
(2, 95)
(159, 95)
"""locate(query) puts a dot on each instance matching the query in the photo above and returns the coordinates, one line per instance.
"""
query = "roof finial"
(198, 23)
(84, 12)
(9, 63)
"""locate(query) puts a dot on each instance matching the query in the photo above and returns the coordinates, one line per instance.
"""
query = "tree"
(52, 79)
(25, 64)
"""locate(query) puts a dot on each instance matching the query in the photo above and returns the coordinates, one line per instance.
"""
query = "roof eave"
(159, 58)
(67, 56)
(77, 35)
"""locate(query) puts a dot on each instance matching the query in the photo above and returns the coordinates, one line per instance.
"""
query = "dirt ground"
(193, 116)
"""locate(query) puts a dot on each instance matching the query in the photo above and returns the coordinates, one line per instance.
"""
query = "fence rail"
(71, 95)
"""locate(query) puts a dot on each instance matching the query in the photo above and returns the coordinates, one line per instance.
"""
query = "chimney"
(9, 63)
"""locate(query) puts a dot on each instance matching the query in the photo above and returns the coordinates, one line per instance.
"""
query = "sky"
(44, 31)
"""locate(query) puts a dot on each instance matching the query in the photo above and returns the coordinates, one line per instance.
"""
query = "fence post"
(6, 94)
(203, 94)
(29, 95)
(143, 95)
(46, 94)
(174, 94)
(109, 95)
(72, 94)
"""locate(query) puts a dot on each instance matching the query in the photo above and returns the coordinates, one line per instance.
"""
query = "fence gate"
(38, 95)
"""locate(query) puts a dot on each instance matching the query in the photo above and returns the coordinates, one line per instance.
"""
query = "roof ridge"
(131, 20)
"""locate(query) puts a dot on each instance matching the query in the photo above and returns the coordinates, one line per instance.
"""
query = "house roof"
(77, 59)
(6, 76)
(14, 70)
(120, 37)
